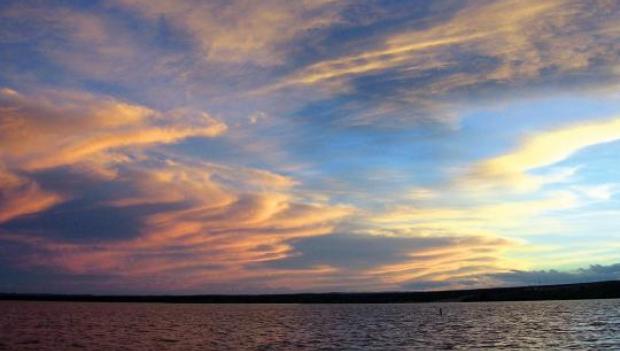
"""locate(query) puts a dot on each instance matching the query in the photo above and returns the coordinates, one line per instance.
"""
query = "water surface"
(544, 325)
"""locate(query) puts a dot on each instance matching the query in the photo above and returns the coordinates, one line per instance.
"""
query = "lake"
(544, 325)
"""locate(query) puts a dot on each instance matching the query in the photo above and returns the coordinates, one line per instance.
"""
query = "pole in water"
(440, 312)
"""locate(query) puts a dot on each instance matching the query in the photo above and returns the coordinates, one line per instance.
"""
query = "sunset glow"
(320, 145)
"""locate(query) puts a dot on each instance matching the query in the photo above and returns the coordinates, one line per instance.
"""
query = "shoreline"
(578, 291)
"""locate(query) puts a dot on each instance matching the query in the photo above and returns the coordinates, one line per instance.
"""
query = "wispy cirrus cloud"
(191, 229)
(474, 198)
(176, 219)
(387, 259)
(78, 130)
(89, 43)
(21, 196)
(241, 31)
(241, 146)
(490, 218)
(484, 46)
(501, 195)
(70, 127)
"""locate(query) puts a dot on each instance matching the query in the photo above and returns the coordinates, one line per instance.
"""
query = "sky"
(183, 147)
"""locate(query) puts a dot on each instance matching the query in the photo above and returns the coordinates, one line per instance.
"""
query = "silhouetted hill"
(598, 290)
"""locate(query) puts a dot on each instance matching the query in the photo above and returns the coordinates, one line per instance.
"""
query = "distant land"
(597, 290)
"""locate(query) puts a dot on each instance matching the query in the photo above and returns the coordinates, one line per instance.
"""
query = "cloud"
(173, 217)
(370, 261)
(601, 192)
(89, 43)
(467, 219)
(500, 195)
(242, 31)
(191, 229)
(66, 128)
(21, 196)
(504, 30)
(119, 193)
(540, 150)
(485, 48)
(592, 273)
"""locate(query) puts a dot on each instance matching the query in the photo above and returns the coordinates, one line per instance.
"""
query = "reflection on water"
(549, 325)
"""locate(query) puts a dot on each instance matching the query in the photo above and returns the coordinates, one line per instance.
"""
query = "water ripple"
(549, 325)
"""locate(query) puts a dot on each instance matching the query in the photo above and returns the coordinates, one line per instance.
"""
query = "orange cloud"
(391, 260)
(209, 215)
(467, 258)
(83, 131)
(508, 30)
(65, 128)
(486, 43)
(214, 229)
(20, 196)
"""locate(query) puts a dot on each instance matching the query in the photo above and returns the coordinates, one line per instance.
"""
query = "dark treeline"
(598, 290)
